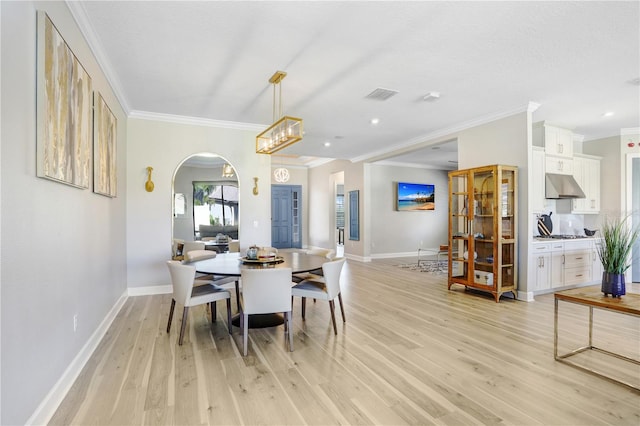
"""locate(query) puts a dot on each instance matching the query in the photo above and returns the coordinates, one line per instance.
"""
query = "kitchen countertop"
(539, 239)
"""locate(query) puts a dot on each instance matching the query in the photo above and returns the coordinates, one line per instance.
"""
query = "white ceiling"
(212, 60)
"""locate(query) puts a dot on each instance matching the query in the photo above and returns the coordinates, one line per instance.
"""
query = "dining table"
(232, 264)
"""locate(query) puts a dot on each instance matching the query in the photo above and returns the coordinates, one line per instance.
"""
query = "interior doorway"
(338, 214)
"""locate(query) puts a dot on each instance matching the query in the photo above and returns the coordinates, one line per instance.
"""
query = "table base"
(260, 320)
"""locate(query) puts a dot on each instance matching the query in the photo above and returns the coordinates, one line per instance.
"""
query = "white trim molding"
(56, 395)
(195, 121)
(149, 290)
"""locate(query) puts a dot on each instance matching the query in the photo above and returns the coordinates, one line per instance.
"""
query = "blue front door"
(285, 216)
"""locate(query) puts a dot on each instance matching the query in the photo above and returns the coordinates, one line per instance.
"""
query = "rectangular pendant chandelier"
(283, 132)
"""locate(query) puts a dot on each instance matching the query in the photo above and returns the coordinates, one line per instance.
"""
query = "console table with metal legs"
(592, 297)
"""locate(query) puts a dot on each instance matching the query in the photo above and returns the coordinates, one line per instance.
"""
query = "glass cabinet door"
(459, 224)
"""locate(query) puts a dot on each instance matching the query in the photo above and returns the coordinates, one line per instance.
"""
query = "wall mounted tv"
(415, 197)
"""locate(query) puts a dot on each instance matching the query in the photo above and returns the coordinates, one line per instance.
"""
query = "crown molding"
(630, 131)
(195, 121)
(80, 16)
(411, 165)
(529, 107)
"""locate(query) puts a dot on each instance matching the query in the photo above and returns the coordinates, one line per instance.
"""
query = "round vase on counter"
(613, 284)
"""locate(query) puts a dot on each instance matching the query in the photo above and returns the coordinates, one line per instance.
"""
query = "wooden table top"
(593, 296)
(230, 264)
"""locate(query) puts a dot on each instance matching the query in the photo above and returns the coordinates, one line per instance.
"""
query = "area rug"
(432, 266)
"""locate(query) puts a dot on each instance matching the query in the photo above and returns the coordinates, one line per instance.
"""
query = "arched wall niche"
(207, 170)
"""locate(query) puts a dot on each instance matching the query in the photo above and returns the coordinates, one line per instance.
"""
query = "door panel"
(285, 216)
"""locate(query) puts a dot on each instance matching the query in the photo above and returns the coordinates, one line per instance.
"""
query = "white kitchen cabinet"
(587, 173)
(564, 263)
(596, 268)
(556, 140)
(547, 258)
(557, 264)
(577, 267)
(541, 260)
(537, 180)
(558, 165)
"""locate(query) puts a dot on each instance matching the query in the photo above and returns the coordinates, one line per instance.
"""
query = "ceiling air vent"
(381, 94)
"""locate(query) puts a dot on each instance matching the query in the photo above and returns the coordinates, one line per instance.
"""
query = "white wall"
(163, 146)
(506, 141)
(63, 249)
(396, 233)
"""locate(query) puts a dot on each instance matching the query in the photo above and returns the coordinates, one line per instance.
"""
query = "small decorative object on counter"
(545, 225)
(589, 232)
(252, 253)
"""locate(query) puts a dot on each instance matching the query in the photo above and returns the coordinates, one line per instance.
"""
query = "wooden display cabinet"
(483, 229)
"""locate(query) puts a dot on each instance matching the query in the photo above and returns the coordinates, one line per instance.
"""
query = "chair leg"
(304, 306)
(229, 316)
(184, 324)
(245, 332)
(238, 295)
(289, 319)
(214, 312)
(173, 305)
(332, 307)
(341, 307)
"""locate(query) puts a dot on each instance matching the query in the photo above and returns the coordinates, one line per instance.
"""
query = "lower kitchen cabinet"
(564, 263)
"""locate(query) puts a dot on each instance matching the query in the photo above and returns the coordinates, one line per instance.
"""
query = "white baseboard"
(526, 296)
(424, 253)
(358, 258)
(52, 401)
(149, 290)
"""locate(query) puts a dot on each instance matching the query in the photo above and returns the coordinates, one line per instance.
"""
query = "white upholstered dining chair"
(188, 295)
(266, 291)
(234, 246)
(229, 283)
(326, 287)
(192, 245)
(329, 254)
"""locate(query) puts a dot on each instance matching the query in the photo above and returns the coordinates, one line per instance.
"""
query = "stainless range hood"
(562, 186)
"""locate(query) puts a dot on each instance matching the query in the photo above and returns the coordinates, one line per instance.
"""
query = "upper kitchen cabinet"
(557, 142)
(587, 173)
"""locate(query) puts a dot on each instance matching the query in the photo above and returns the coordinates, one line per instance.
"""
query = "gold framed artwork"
(104, 148)
(64, 100)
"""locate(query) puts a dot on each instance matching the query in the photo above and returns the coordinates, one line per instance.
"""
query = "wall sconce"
(149, 185)
(255, 186)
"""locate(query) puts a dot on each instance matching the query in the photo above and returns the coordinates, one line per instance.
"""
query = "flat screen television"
(415, 197)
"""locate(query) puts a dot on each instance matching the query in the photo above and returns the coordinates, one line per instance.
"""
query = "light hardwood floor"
(411, 352)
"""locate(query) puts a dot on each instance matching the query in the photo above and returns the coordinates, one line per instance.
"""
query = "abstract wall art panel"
(64, 100)
(104, 148)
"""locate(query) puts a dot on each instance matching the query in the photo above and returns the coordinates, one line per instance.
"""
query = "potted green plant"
(614, 252)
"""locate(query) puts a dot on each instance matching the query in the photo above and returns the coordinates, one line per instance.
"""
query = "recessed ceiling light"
(435, 147)
(431, 96)
(608, 114)
(327, 144)
(635, 81)
(375, 121)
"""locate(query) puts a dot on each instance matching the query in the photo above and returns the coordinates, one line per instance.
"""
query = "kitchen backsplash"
(567, 224)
